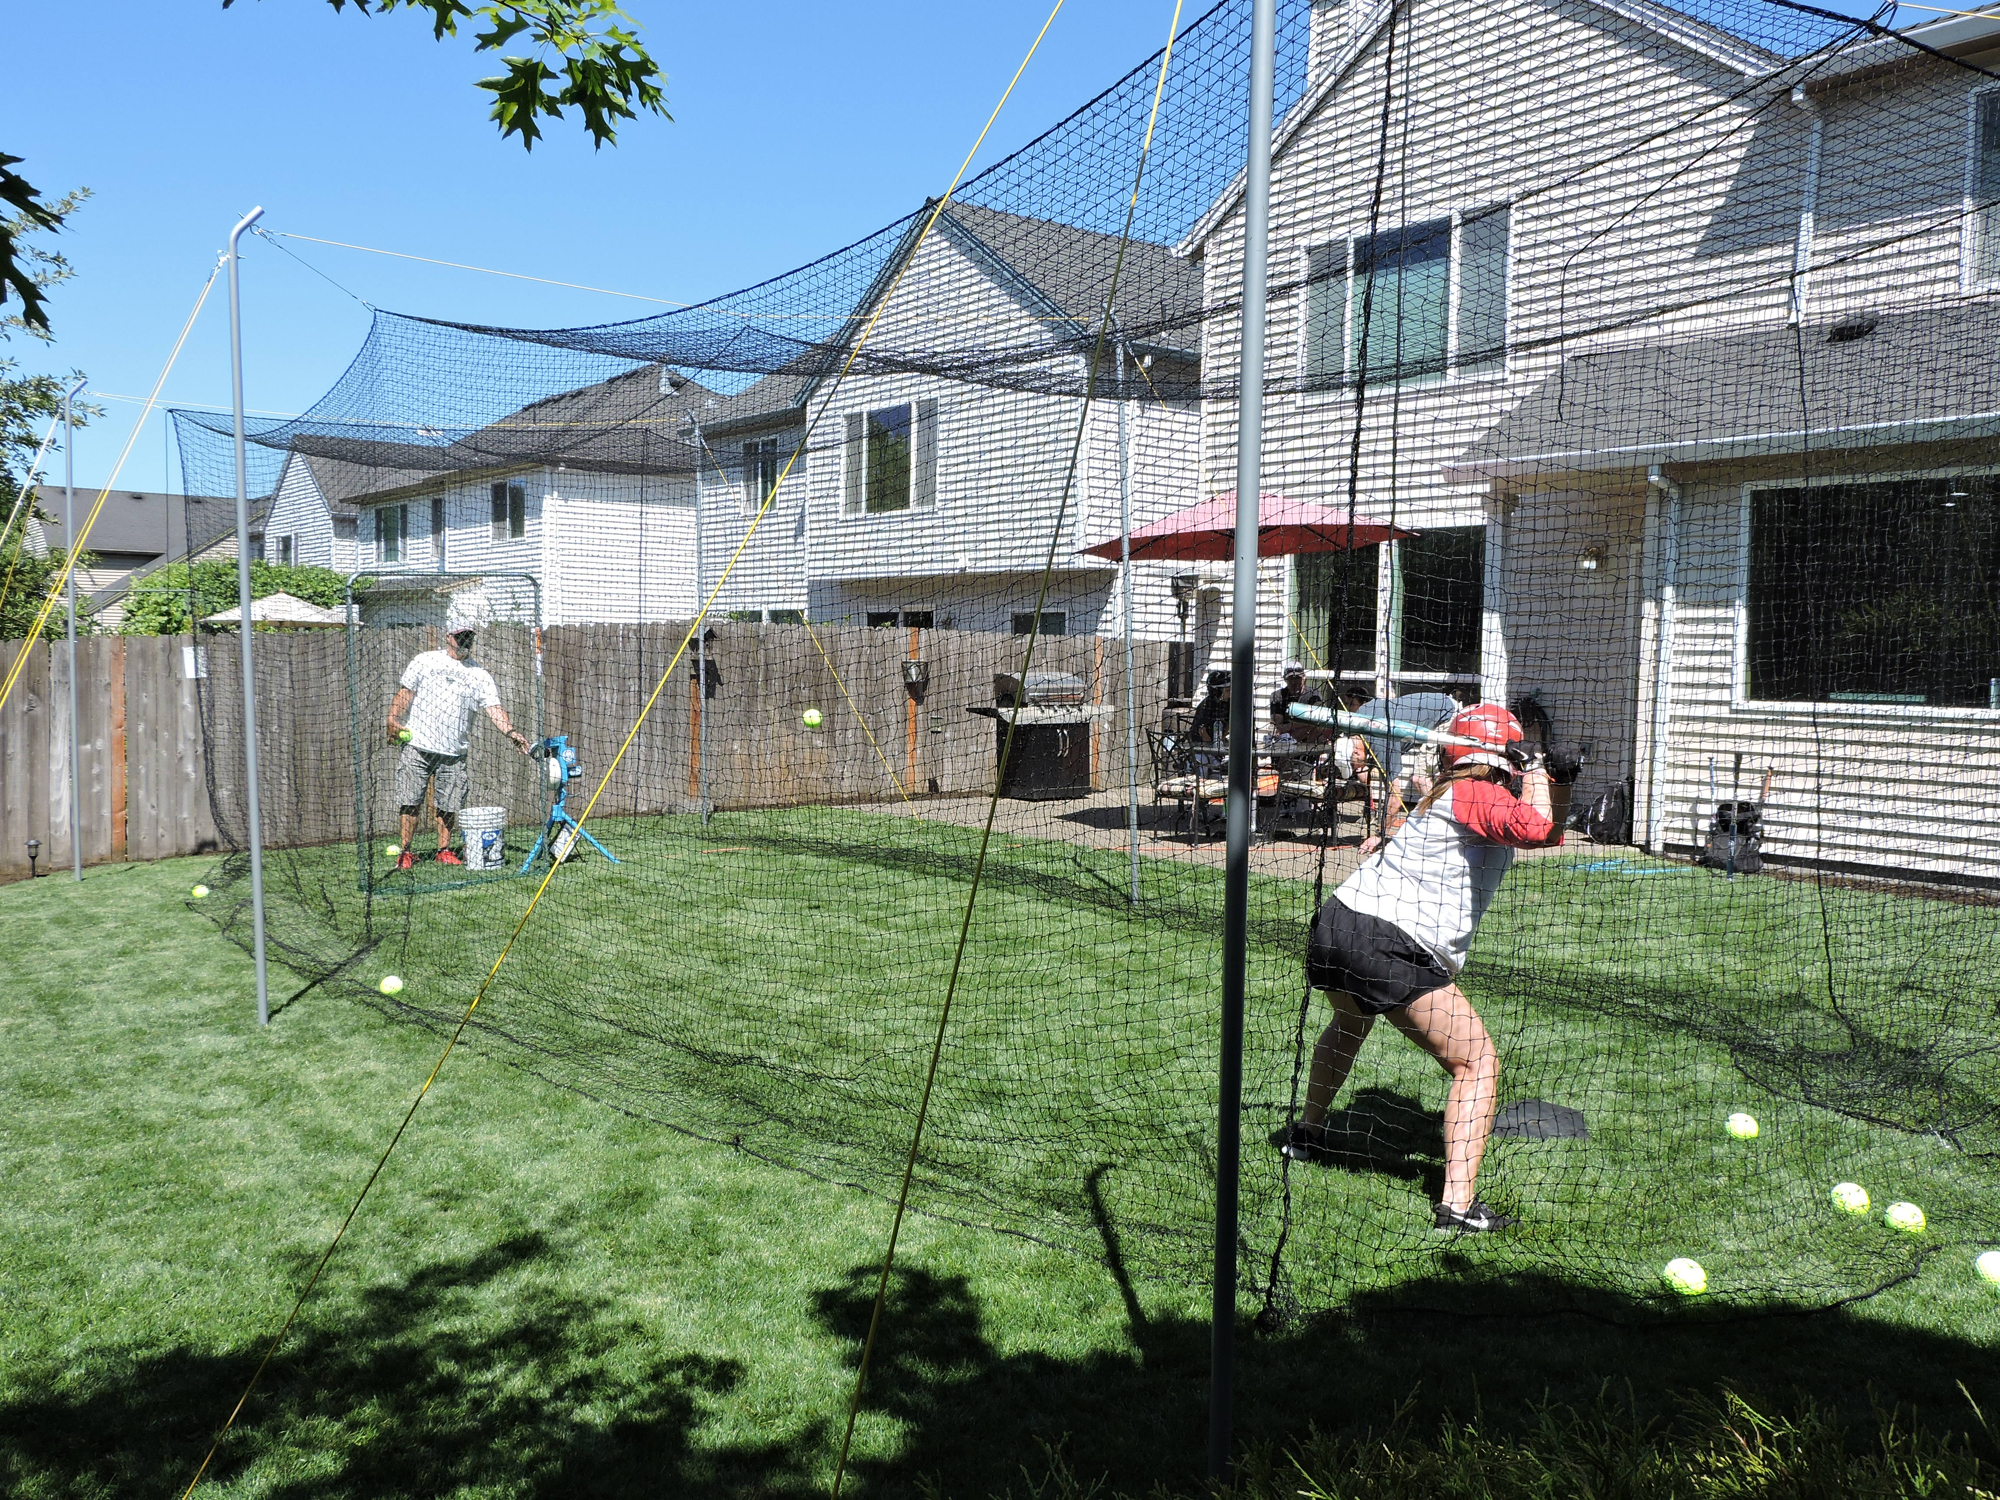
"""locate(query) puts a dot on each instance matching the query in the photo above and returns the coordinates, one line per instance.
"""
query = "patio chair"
(1177, 778)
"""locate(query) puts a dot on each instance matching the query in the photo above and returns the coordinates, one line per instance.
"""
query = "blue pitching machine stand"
(560, 834)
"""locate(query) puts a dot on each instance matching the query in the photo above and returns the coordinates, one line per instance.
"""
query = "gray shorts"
(445, 773)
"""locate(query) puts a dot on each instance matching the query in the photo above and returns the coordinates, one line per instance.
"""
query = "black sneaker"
(1478, 1219)
(1303, 1142)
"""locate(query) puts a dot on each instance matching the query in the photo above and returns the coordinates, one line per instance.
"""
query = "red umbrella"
(1207, 532)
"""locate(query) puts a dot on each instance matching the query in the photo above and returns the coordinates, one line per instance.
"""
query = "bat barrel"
(1382, 729)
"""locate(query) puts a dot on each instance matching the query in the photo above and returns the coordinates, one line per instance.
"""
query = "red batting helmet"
(1488, 723)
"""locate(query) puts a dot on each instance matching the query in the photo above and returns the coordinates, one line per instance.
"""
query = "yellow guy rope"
(76, 542)
(853, 707)
(1006, 751)
(609, 771)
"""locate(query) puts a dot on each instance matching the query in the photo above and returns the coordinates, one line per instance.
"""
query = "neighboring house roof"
(633, 423)
(1069, 270)
(135, 525)
(1725, 36)
(1915, 377)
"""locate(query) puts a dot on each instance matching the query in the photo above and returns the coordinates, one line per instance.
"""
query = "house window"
(1875, 593)
(284, 551)
(437, 530)
(788, 617)
(1434, 606)
(1333, 609)
(1399, 296)
(1054, 622)
(1440, 588)
(891, 459)
(882, 618)
(510, 512)
(913, 619)
(392, 526)
(1985, 186)
(760, 473)
(257, 547)
(1409, 302)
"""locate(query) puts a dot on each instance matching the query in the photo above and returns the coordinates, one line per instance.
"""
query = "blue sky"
(797, 129)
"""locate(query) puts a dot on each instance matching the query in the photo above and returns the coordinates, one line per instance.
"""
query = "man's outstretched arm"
(506, 726)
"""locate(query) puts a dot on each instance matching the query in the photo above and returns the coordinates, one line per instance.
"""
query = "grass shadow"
(419, 1391)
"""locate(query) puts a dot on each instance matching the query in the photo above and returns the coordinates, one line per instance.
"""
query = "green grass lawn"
(555, 1294)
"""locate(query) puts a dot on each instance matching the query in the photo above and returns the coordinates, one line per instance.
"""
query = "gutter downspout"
(1663, 660)
(1808, 204)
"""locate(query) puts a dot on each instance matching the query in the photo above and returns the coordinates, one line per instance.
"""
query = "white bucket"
(485, 830)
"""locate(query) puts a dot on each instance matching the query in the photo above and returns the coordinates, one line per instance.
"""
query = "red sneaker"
(407, 862)
(446, 857)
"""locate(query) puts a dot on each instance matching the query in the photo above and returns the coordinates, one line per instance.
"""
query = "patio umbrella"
(1207, 532)
(283, 610)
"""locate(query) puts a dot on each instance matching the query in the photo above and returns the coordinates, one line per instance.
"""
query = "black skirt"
(1372, 959)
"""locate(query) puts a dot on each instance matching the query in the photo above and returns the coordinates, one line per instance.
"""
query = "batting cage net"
(855, 636)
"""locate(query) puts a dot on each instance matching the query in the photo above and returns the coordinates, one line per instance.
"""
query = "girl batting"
(1392, 939)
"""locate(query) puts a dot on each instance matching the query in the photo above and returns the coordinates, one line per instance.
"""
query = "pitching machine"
(560, 833)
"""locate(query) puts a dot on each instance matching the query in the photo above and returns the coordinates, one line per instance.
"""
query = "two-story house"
(1667, 338)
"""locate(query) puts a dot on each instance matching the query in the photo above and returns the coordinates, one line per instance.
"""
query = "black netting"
(1629, 366)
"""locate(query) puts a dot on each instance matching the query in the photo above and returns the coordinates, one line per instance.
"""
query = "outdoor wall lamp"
(917, 678)
(1590, 560)
(1185, 586)
(34, 853)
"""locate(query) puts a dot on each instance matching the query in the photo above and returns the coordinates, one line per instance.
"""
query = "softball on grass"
(1904, 1216)
(199, 891)
(1851, 1196)
(390, 851)
(1988, 1266)
(1742, 1126)
(1686, 1276)
(812, 718)
(392, 984)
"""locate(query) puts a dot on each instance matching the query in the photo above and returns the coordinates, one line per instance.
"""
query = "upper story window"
(761, 468)
(1406, 303)
(1983, 185)
(392, 531)
(285, 553)
(510, 512)
(437, 529)
(1887, 592)
(891, 459)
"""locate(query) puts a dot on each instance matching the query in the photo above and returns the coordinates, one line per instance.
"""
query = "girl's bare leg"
(1333, 1056)
(1445, 1025)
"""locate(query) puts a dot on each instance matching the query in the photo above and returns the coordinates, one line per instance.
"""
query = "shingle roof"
(1910, 377)
(1159, 293)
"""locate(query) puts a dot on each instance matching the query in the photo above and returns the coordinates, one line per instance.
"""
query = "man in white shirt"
(433, 708)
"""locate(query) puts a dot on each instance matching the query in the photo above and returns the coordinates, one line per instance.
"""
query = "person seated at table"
(1294, 690)
(1210, 724)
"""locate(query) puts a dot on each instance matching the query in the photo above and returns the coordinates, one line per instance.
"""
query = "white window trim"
(1773, 710)
(1451, 375)
(1968, 219)
(864, 515)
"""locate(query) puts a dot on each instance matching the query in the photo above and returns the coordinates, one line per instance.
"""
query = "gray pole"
(69, 536)
(1242, 728)
(243, 630)
(1125, 576)
(700, 644)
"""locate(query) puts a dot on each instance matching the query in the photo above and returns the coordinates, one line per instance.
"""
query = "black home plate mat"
(1539, 1120)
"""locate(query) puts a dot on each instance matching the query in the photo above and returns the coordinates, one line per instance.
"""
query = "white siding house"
(1579, 325)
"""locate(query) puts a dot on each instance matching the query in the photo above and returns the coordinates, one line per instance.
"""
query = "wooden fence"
(144, 790)
(142, 793)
